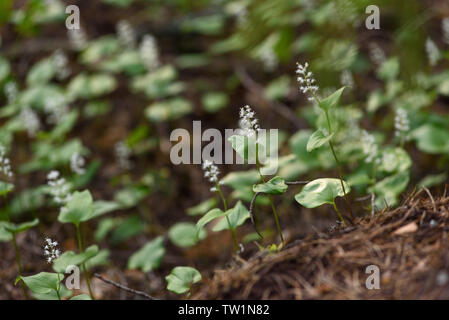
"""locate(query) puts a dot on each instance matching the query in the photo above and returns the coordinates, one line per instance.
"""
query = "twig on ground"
(431, 198)
(122, 287)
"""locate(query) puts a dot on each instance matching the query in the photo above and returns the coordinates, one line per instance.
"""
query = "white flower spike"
(77, 163)
(5, 164)
(401, 124)
(51, 251)
(149, 52)
(249, 125)
(306, 80)
(59, 188)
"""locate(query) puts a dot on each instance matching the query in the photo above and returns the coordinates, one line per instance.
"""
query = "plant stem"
(80, 247)
(339, 214)
(276, 219)
(19, 264)
(225, 206)
(59, 287)
(340, 174)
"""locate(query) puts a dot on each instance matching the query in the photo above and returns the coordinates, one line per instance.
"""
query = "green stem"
(276, 219)
(86, 274)
(340, 173)
(225, 206)
(339, 214)
(59, 287)
(19, 264)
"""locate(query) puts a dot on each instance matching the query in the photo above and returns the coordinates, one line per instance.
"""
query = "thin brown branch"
(122, 287)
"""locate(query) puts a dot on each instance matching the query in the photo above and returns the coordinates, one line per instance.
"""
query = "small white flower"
(445, 27)
(51, 252)
(401, 123)
(210, 171)
(369, 147)
(56, 108)
(30, 121)
(306, 80)
(249, 125)
(122, 154)
(376, 54)
(59, 188)
(149, 52)
(347, 79)
(126, 34)
(61, 63)
(77, 38)
(77, 163)
(5, 164)
(11, 91)
(433, 53)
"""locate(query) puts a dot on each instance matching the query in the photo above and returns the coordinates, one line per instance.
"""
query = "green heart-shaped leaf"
(43, 282)
(237, 216)
(321, 191)
(149, 257)
(208, 217)
(71, 258)
(80, 208)
(388, 189)
(16, 228)
(332, 100)
(185, 234)
(275, 185)
(181, 279)
(432, 139)
(317, 139)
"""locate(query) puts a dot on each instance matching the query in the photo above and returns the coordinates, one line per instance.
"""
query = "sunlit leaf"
(321, 191)
(275, 185)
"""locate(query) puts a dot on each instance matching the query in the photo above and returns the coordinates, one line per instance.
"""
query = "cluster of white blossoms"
(11, 92)
(77, 38)
(376, 54)
(30, 121)
(347, 79)
(5, 164)
(122, 154)
(306, 80)
(77, 163)
(126, 34)
(269, 59)
(149, 52)
(433, 53)
(249, 125)
(51, 250)
(211, 172)
(56, 108)
(370, 147)
(445, 27)
(59, 188)
(62, 64)
(401, 123)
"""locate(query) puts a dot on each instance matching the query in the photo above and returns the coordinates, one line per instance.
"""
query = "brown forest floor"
(409, 245)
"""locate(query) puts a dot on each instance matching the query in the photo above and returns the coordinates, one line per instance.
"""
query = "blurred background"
(114, 90)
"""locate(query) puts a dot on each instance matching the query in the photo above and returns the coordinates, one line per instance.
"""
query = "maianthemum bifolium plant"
(351, 146)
